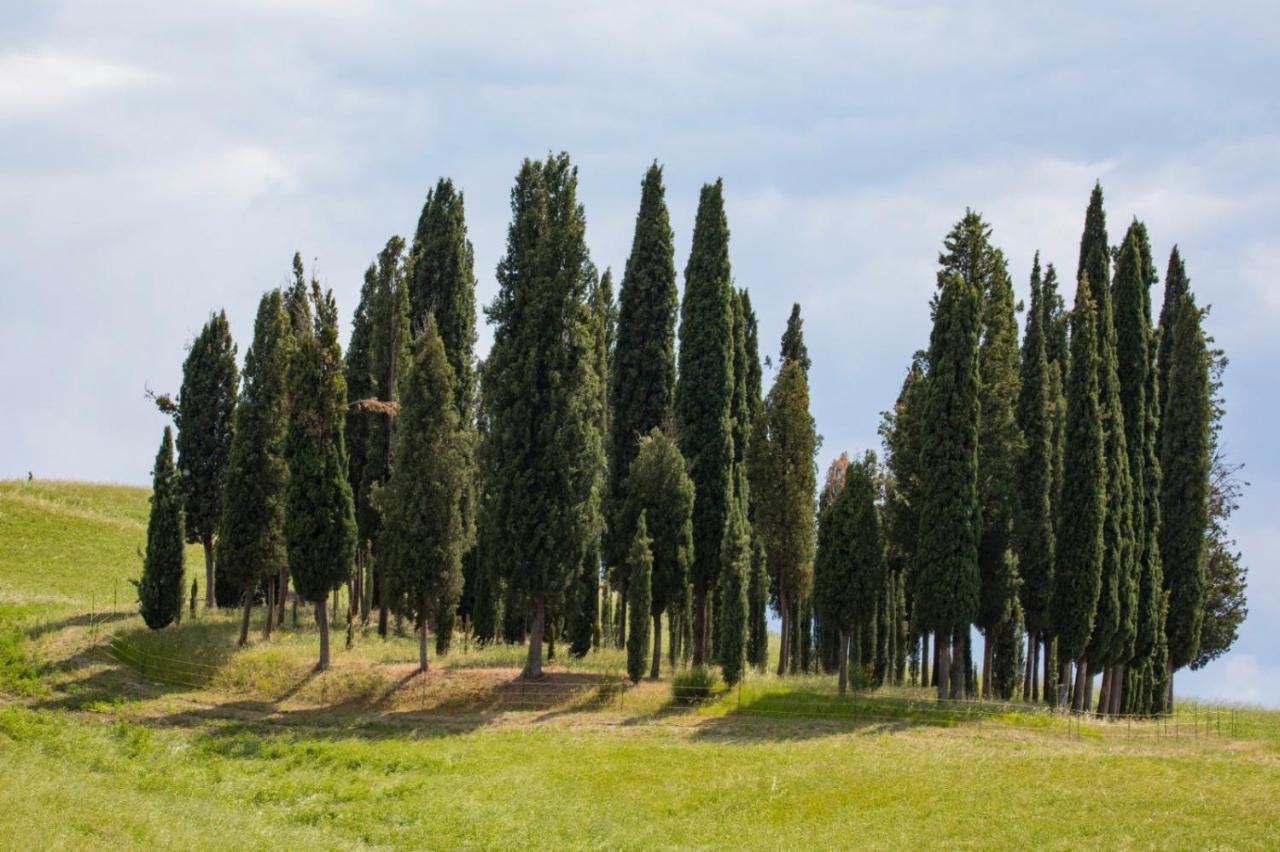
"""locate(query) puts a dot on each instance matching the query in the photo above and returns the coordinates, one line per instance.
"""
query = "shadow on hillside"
(43, 628)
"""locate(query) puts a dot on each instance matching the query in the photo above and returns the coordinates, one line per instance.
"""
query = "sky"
(160, 161)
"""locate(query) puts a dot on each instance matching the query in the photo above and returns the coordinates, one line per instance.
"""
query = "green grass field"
(111, 735)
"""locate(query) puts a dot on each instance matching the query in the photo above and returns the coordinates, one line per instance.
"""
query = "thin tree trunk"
(1104, 694)
(1050, 660)
(1029, 673)
(244, 620)
(282, 595)
(699, 625)
(1035, 668)
(533, 662)
(1117, 689)
(657, 646)
(986, 664)
(844, 660)
(1088, 689)
(383, 602)
(207, 541)
(785, 635)
(1082, 677)
(422, 636)
(271, 608)
(622, 622)
(924, 659)
(959, 658)
(1064, 683)
(942, 665)
(322, 622)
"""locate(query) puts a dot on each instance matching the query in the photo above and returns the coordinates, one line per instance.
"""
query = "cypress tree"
(758, 583)
(1185, 464)
(1176, 285)
(781, 466)
(1057, 354)
(731, 612)
(704, 395)
(422, 532)
(160, 589)
(1077, 574)
(1034, 532)
(639, 568)
(359, 376)
(206, 408)
(793, 348)
(319, 512)
(544, 450)
(947, 579)
(251, 546)
(659, 488)
(850, 569)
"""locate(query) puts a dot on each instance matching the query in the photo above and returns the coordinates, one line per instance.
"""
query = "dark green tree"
(422, 533)
(658, 486)
(793, 348)
(947, 579)
(1077, 574)
(205, 420)
(758, 581)
(1185, 465)
(639, 568)
(704, 396)
(251, 548)
(731, 612)
(359, 376)
(544, 451)
(319, 528)
(850, 568)
(1176, 285)
(1034, 528)
(160, 589)
(781, 466)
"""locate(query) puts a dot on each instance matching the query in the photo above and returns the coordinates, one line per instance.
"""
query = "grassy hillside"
(179, 738)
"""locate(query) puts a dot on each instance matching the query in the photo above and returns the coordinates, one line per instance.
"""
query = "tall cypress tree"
(758, 580)
(1077, 573)
(206, 408)
(731, 612)
(160, 589)
(659, 487)
(640, 568)
(1176, 285)
(1185, 463)
(704, 395)
(319, 528)
(947, 579)
(545, 453)
(251, 546)
(850, 569)
(793, 348)
(1034, 532)
(360, 387)
(422, 533)
(781, 466)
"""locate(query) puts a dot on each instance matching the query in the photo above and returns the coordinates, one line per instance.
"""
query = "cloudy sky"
(158, 161)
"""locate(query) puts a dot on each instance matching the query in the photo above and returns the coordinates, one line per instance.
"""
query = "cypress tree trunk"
(422, 636)
(271, 608)
(622, 617)
(1091, 673)
(322, 622)
(1117, 689)
(207, 541)
(1064, 681)
(785, 608)
(844, 660)
(537, 627)
(657, 646)
(942, 666)
(1029, 674)
(383, 601)
(938, 642)
(959, 660)
(244, 620)
(1035, 666)
(1077, 693)
(1050, 662)
(924, 659)
(282, 594)
(986, 665)
(1104, 694)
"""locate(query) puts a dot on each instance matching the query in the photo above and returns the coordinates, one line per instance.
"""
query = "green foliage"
(704, 394)
(731, 597)
(793, 348)
(1185, 464)
(1077, 574)
(639, 599)
(947, 578)
(850, 568)
(251, 544)
(1034, 532)
(695, 685)
(160, 589)
(643, 371)
(360, 387)
(659, 488)
(422, 534)
(544, 454)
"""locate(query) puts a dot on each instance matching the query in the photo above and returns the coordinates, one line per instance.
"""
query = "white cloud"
(34, 81)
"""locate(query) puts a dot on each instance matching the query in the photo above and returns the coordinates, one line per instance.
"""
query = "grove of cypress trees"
(639, 569)
(422, 534)
(1185, 464)
(659, 488)
(704, 395)
(1034, 527)
(731, 612)
(849, 568)
(160, 589)
(544, 450)
(1077, 573)
(947, 577)
(319, 527)
(206, 409)
(251, 547)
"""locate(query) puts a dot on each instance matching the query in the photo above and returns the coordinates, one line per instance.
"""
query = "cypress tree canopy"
(544, 453)
(160, 589)
(1035, 532)
(422, 535)
(204, 418)
(639, 568)
(251, 543)
(793, 348)
(360, 386)
(731, 600)
(704, 394)
(659, 488)
(849, 569)
(1078, 571)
